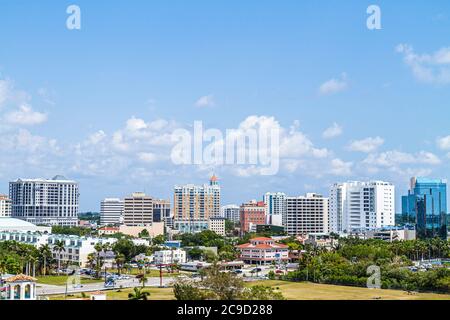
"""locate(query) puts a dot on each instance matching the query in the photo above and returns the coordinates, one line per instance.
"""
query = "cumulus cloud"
(366, 145)
(427, 67)
(332, 132)
(395, 158)
(25, 116)
(341, 168)
(334, 85)
(444, 143)
(205, 101)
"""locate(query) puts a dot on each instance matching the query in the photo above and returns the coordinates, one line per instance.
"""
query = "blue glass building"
(426, 207)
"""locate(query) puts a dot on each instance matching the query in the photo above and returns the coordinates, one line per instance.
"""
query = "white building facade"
(275, 208)
(5, 206)
(306, 214)
(169, 257)
(359, 206)
(45, 202)
(230, 212)
(217, 225)
(111, 211)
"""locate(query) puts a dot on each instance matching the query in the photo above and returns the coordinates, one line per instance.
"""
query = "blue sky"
(98, 104)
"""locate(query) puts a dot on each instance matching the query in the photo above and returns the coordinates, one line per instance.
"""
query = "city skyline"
(98, 105)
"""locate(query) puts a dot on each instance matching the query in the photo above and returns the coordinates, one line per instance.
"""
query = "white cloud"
(147, 157)
(341, 168)
(428, 68)
(394, 158)
(5, 87)
(206, 101)
(332, 132)
(366, 145)
(25, 116)
(334, 85)
(444, 143)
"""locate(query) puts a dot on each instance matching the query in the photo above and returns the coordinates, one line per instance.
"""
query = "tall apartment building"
(138, 210)
(194, 205)
(111, 211)
(426, 206)
(5, 206)
(306, 214)
(161, 210)
(275, 208)
(252, 214)
(230, 212)
(45, 202)
(361, 206)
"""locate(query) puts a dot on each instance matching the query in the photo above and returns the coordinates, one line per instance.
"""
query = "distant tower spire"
(214, 181)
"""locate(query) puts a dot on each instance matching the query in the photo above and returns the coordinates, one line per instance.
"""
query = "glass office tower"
(426, 206)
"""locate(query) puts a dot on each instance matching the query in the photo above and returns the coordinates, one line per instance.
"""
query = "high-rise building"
(359, 206)
(45, 202)
(138, 210)
(426, 206)
(230, 212)
(306, 214)
(194, 205)
(252, 214)
(111, 211)
(161, 210)
(275, 208)
(5, 206)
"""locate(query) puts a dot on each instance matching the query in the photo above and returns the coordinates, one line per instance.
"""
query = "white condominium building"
(356, 206)
(275, 208)
(111, 211)
(138, 210)
(45, 202)
(230, 212)
(306, 214)
(5, 206)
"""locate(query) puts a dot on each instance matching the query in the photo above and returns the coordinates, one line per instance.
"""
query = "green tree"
(59, 247)
(138, 294)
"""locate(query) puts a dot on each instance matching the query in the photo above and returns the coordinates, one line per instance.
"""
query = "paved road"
(44, 289)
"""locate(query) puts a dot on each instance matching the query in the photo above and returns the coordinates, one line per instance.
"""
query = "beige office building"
(138, 210)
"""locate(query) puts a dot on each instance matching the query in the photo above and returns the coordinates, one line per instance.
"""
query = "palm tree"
(59, 247)
(143, 279)
(138, 294)
(45, 252)
(120, 260)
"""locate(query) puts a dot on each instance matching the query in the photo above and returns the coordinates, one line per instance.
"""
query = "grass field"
(61, 280)
(297, 291)
(312, 291)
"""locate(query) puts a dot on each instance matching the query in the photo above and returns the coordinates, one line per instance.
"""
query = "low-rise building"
(263, 251)
(217, 224)
(169, 257)
(155, 229)
(108, 231)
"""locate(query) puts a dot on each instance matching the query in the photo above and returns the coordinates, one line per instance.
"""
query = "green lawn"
(62, 280)
(312, 291)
